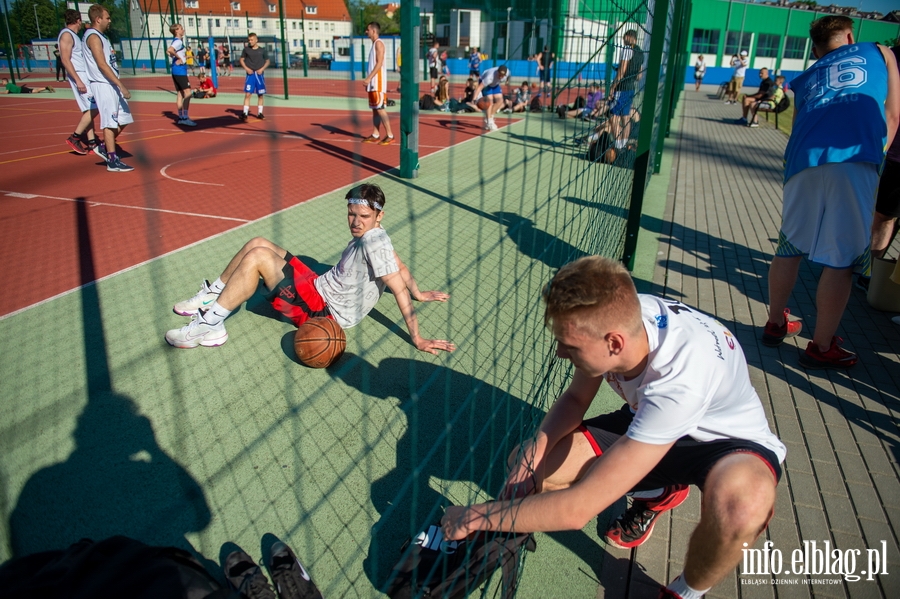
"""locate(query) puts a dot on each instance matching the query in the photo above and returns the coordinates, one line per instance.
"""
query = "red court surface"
(187, 184)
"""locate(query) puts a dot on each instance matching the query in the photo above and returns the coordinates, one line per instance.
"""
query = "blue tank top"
(840, 110)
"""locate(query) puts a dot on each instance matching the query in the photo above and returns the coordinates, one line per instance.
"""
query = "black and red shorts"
(296, 295)
(688, 462)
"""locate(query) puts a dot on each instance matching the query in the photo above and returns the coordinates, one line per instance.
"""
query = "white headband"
(363, 202)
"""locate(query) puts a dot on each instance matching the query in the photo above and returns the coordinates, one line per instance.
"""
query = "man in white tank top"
(376, 86)
(108, 91)
(71, 54)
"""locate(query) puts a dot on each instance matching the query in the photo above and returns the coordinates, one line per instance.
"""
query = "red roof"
(326, 10)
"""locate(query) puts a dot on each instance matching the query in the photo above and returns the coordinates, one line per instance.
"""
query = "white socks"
(217, 286)
(216, 314)
(681, 588)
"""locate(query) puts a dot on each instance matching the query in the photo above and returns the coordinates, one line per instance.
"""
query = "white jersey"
(95, 75)
(351, 289)
(378, 83)
(740, 66)
(77, 50)
(696, 382)
(491, 77)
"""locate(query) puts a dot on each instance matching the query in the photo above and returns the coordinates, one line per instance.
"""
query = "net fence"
(233, 444)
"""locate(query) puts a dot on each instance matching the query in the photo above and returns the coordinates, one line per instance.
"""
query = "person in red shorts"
(346, 293)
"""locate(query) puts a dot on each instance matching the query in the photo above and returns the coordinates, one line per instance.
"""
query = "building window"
(273, 8)
(209, 22)
(332, 26)
(293, 24)
(317, 25)
(235, 6)
(735, 42)
(311, 10)
(190, 21)
(265, 24)
(706, 41)
(191, 4)
(249, 23)
(768, 45)
(294, 43)
(218, 23)
(794, 47)
(326, 43)
(318, 43)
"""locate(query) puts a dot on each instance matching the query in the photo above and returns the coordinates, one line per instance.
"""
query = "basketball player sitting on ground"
(690, 416)
(345, 293)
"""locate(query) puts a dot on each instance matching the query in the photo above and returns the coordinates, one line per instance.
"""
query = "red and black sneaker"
(835, 357)
(773, 334)
(635, 526)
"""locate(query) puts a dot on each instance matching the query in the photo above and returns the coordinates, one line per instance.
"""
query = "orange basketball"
(319, 342)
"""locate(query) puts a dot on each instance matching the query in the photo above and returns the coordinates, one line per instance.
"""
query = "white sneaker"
(493, 126)
(198, 333)
(202, 301)
(487, 125)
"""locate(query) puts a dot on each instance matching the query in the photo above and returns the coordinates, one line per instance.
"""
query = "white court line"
(210, 238)
(28, 196)
(62, 144)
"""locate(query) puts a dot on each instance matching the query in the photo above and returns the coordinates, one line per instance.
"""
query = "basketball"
(319, 342)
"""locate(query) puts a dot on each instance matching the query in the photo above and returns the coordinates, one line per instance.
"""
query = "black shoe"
(246, 577)
(243, 117)
(290, 577)
(261, 116)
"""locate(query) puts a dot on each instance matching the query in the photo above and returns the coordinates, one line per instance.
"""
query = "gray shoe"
(246, 577)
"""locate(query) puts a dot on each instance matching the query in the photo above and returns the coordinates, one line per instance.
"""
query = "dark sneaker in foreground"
(76, 145)
(198, 332)
(835, 357)
(100, 150)
(117, 166)
(246, 577)
(636, 525)
(773, 334)
(290, 577)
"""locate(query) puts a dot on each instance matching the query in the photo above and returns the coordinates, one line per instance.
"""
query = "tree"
(362, 13)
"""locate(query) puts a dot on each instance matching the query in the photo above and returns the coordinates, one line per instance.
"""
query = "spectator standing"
(764, 92)
(631, 62)
(202, 58)
(433, 59)
(376, 88)
(475, 63)
(887, 205)
(842, 126)
(177, 51)
(699, 72)
(739, 64)
(72, 56)
(255, 61)
(227, 68)
(60, 69)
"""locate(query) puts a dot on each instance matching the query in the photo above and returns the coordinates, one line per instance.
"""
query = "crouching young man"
(691, 417)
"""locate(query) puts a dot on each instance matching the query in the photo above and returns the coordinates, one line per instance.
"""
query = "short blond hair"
(598, 293)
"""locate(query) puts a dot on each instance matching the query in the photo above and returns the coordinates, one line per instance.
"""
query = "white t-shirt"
(740, 66)
(700, 66)
(696, 382)
(491, 77)
(351, 289)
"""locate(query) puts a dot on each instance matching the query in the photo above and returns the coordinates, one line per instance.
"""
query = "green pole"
(172, 11)
(363, 63)
(12, 48)
(130, 37)
(645, 137)
(197, 25)
(409, 90)
(303, 30)
(672, 76)
(284, 58)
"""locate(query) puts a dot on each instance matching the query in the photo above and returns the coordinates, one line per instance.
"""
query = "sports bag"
(431, 567)
(427, 102)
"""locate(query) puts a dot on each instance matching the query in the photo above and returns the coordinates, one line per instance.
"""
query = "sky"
(882, 6)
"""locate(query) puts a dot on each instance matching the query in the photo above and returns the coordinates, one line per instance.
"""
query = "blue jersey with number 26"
(840, 110)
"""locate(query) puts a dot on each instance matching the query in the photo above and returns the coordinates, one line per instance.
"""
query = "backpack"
(427, 102)
(783, 104)
(535, 105)
(433, 568)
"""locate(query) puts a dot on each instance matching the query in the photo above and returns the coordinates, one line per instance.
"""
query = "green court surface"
(108, 430)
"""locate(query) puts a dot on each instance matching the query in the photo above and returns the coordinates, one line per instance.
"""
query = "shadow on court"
(117, 481)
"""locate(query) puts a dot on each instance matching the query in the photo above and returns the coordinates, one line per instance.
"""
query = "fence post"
(671, 76)
(409, 90)
(284, 55)
(651, 94)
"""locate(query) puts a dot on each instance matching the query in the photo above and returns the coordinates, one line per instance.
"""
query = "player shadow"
(332, 130)
(117, 480)
(212, 122)
(536, 243)
(349, 156)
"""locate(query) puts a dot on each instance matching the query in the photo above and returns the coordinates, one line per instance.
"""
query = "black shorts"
(181, 82)
(888, 202)
(545, 75)
(688, 462)
(434, 72)
(26, 90)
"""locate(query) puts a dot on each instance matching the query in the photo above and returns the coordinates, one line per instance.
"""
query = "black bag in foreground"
(433, 568)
